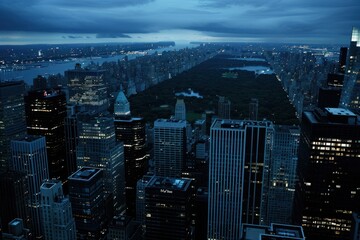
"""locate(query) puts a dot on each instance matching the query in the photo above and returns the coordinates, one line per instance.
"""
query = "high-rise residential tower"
(169, 147)
(329, 164)
(56, 215)
(224, 105)
(238, 176)
(180, 110)
(12, 115)
(45, 115)
(29, 157)
(97, 147)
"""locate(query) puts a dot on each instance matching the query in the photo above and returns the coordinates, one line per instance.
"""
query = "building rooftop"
(84, 174)
(332, 116)
(169, 123)
(238, 124)
(273, 232)
(340, 112)
(169, 183)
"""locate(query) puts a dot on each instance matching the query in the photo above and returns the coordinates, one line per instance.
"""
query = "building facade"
(169, 147)
(329, 161)
(29, 157)
(56, 214)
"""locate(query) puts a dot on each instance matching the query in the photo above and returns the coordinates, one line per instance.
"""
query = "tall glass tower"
(12, 115)
(350, 96)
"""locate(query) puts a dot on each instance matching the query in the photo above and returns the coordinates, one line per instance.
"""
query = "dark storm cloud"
(321, 19)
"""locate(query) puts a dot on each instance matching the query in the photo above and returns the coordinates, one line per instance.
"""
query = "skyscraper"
(45, 115)
(180, 110)
(13, 192)
(253, 109)
(224, 105)
(238, 175)
(29, 157)
(56, 215)
(12, 115)
(283, 174)
(350, 96)
(169, 204)
(329, 161)
(131, 132)
(169, 147)
(87, 197)
(97, 147)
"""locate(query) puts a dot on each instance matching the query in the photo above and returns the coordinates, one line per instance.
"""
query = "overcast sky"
(66, 21)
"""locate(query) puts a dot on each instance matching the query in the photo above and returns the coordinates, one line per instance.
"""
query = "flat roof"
(170, 183)
(340, 112)
(169, 123)
(238, 124)
(85, 174)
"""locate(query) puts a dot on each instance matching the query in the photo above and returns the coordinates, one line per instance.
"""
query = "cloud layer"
(231, 20)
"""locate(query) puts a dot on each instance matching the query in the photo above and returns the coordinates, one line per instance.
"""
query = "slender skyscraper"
(224, 105)
(131, 132)
(12, 115)
(45, 115)
(350, 96)
(56, 215)
(180, 110)
(97, 147)
(29, 157)
(238, 176)
(169, 147)
(253, 109)
(329, 160)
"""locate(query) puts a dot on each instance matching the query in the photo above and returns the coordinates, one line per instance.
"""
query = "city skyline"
(58, 21)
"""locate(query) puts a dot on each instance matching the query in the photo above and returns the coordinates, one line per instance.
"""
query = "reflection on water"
(256, 69)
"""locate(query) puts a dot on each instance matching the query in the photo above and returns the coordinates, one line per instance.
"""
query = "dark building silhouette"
(329, 97)
(224, 105)
(342, 59)
(87, 197)
(12, 115)
(335, 80)
(168, 208)
(71, 139)
(273, 232)
(13, 192)
(329, 163)
(253, 109)
(39, 83)
(45, 115)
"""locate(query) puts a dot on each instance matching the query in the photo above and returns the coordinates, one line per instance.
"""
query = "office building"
(239, 159)
(224, 106)
(57, 220)
(180, 110)
(124, 228)
(329, 161)
(169, 147)
(71, 139)
(12, 115)
(13, 192)
(29, 157)
(169, 204)
(87, 197)
(283, 174)
(342, 60)
(253, 109)
(16, 231)
(140, 198)
(97, 147)
(273, 232)
(131, 132)
(350, 96)
(45, 114)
